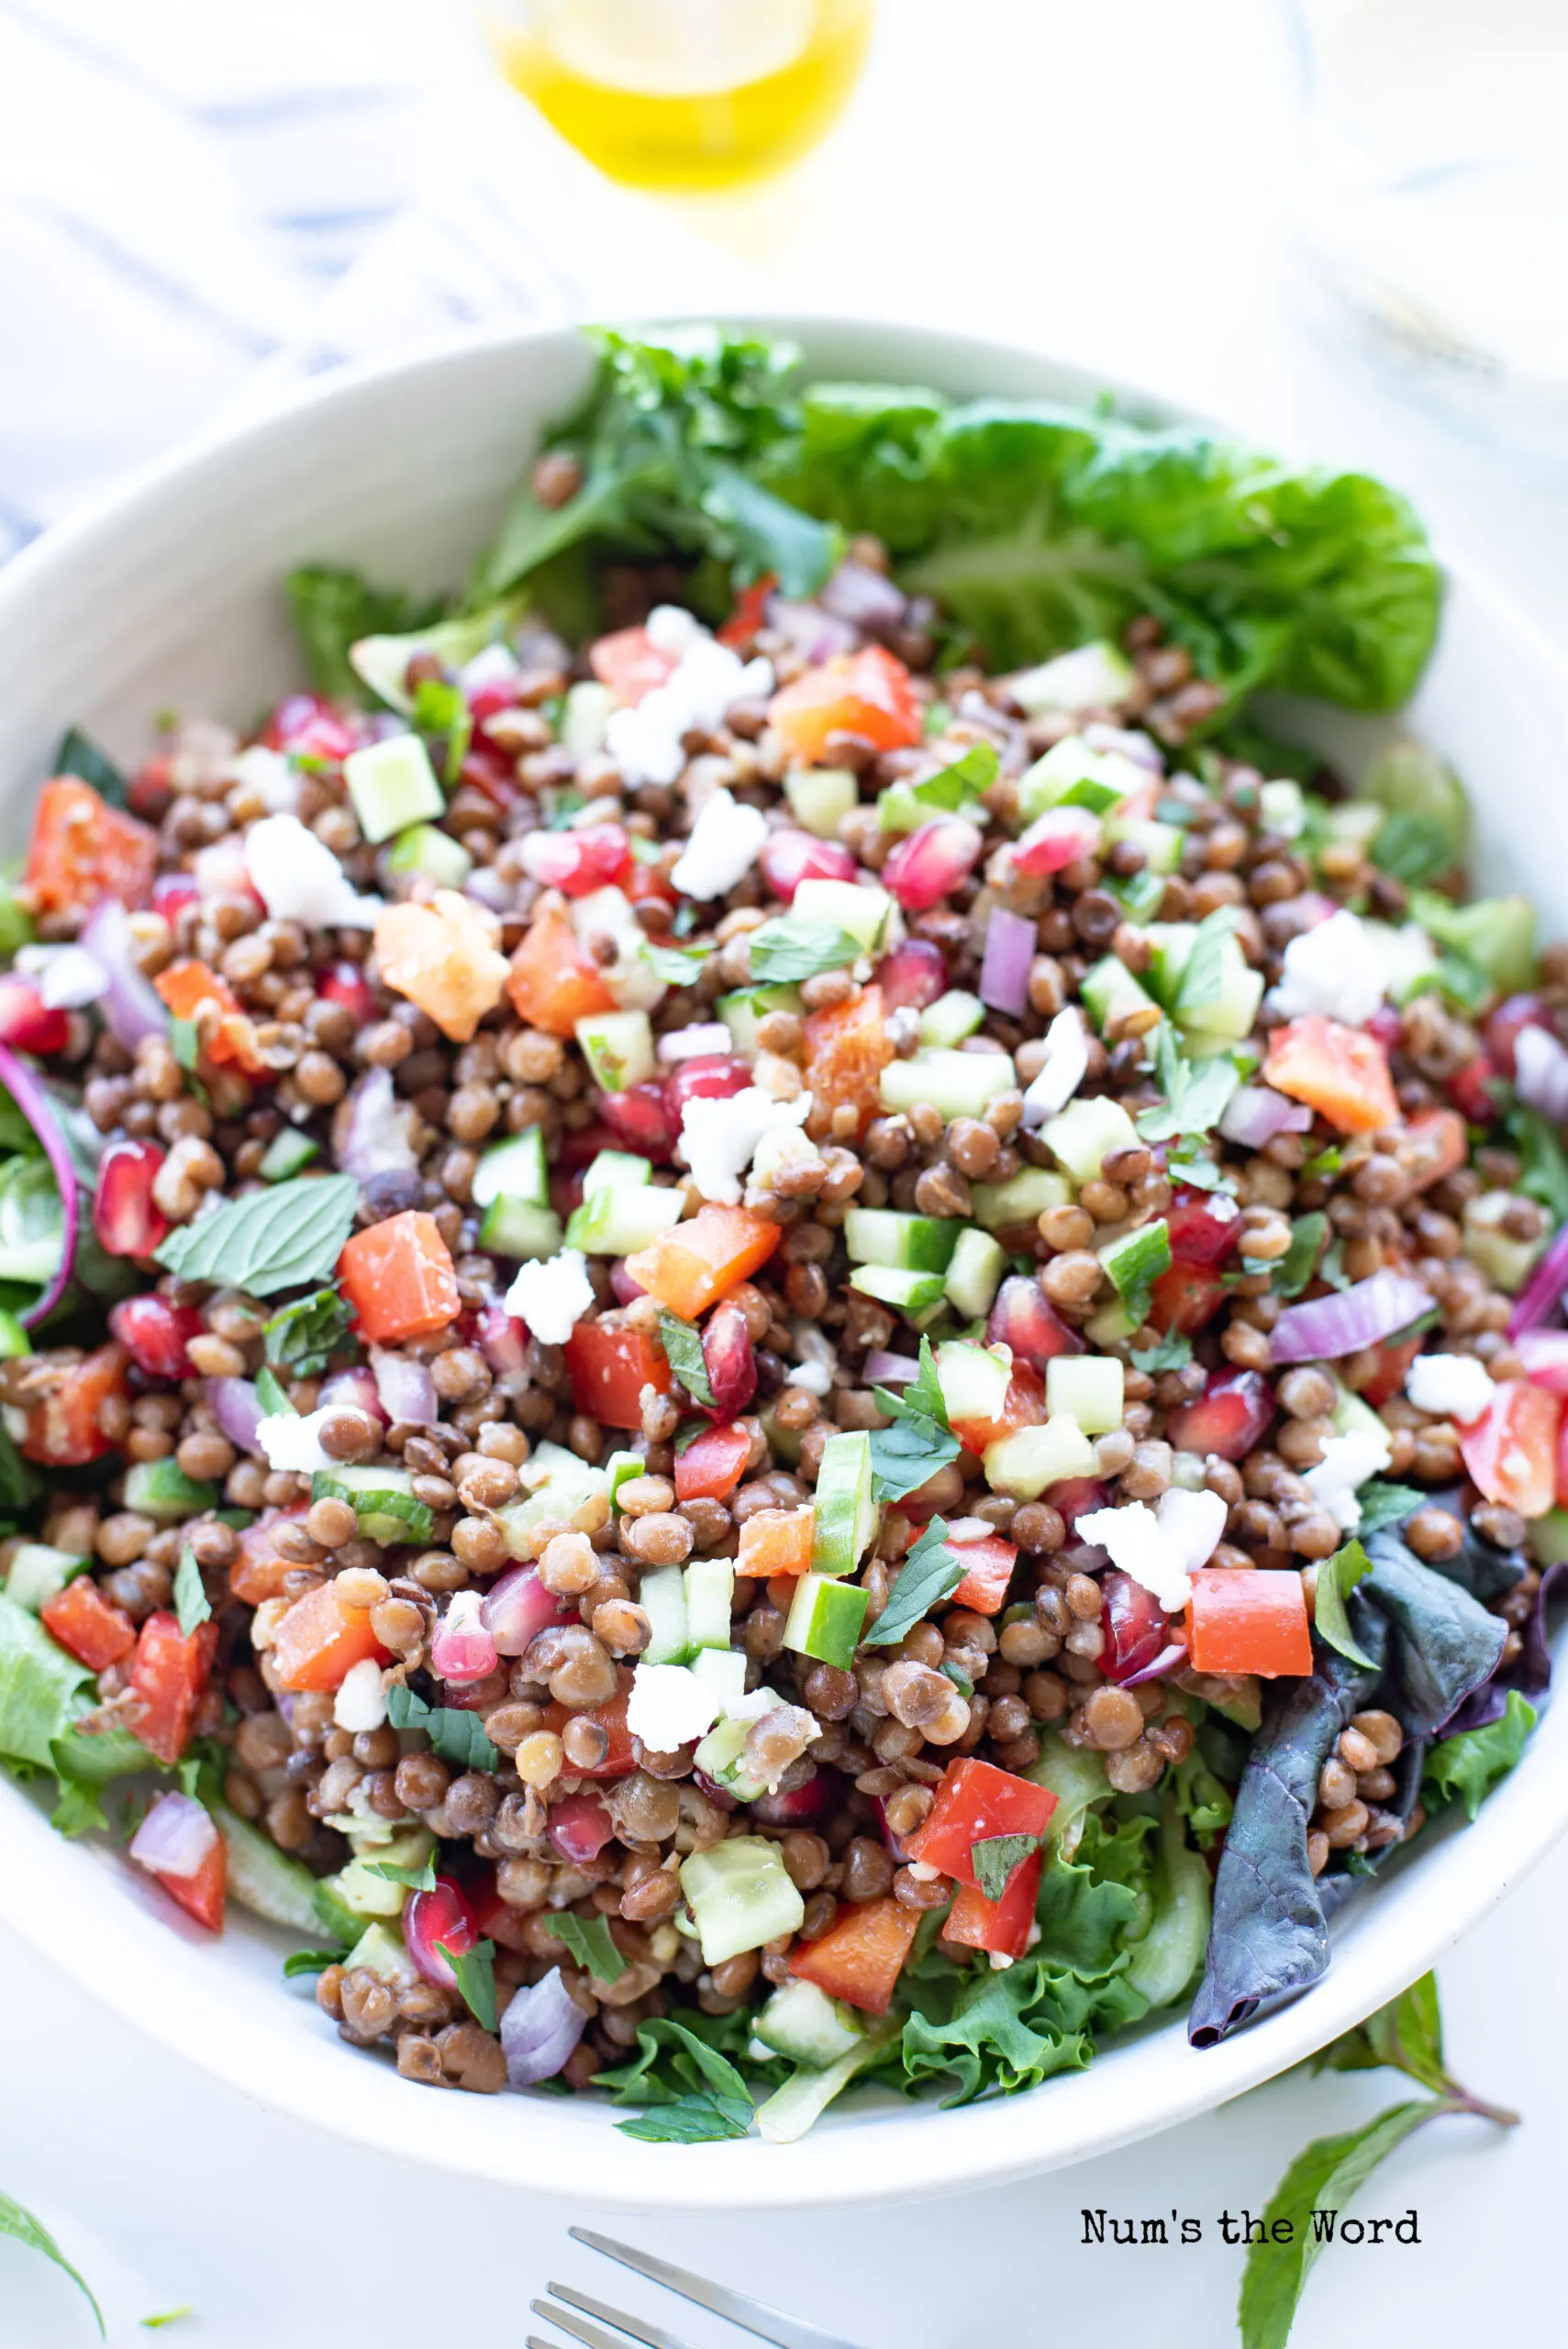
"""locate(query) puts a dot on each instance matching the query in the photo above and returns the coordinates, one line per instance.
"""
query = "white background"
(1102, 181)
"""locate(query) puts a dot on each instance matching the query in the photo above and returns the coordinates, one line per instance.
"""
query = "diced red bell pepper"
(620, 1759)
(868, 692)
(749, 614)
(260, 1570)
(82, 850)
(201, 1896)
(775, 1542)
(1436, 1144)
(554, 980)
(65, 1429)
(1185, 1297)
(712, 1464)
(1023, 1405)
(95, 1631)
(1249, 1618)
(609, 1365)
(693, 1264)
(861, 1955)
(847, 1048)
(1511, 1451)
(974, 1922)
(320, 1639)
(987, 1571)
(632, 664)
(1342, 1073)
(1471, 1089)
(168, 1673)
(975, 1802)
(397, 1274)
(193, 991)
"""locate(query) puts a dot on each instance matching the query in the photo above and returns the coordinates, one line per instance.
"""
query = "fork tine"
(653, 2336)
(753, 2316)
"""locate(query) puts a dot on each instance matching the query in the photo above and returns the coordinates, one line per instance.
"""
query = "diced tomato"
(1022, 1407)
(1024, 1320)
(645, 883)
(1395, 1356)
(975, 1802)
(554, 980)
(632, 664)
(347, 985)
(712, 1464)
(861, 1955)
(1249, 1618)
(596, 856)
(258, 1571)
(1511, 1451)
(974, 1922)
(777, 1541)
(320, 1639)
(693, 1264)
(609, 1365)
(397, 1274)
(168, 1673)
(750, 612)
(987, 1570)
(1436, 1144)
(93, 1628)
(201, 1896)
(1204, 1226)
(868, 692)
(1136, 1626)
(1471, 1089)
(192, 991)
(444, 958)
(1185, 1297)
(847, 1048)
(82, 850)
(1229, 1418)
(1342, 1073)
(65, 1429)
(620, 1759)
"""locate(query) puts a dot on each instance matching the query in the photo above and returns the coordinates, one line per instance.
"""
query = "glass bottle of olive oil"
(684, 93)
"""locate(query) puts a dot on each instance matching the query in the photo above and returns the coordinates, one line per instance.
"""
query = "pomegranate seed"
(1059, 839)
(308, 725)
(1204, 1225)
(789, 857)
(1229, 1418)
(347, 985)
(1024, 1319)
(578, 1826)
(912, 976)
(124, 1216)
(578, 862)
(501, 1339)
(706, 1077)
(151, 788)
(491, 771)
(171, 893)
(156, 1333)
(442, 1915)
(488, 701)
(517, 1607)
(626, 1289)
(720, 1796)
(730, 1361)
(1387, 1026)
(580, 1145)
(1470, 1089)
(1075, 1497)
(639, 1121)
(462, 1649)
(930, 865)
(26, 1023)
(1502, 1028)
(1135, 1625)
(801, 1805)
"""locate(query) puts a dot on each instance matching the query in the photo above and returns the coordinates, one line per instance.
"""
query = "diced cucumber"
(584, 715)
(392, 786)
(662, 1598)
(1136, 1260)
(740, 1895)
(720, 1756)
(1029, 1460)
(826, 1619)
(1023, 1198)
(741, 1013)
(1170, 943)
(380, 1950)
(559, 1485)
(854, 906)
(710, 1595)
(847, 1517)
(805, 2024)
(1352, 1417)
(623, 1468)
(367, 1894)
(973, 1379)
(618, 1049)
(898, 810)
(1110, 1325)
(1110, 992)
(272, 1884)
(975, 1271)
(382, 1500)
(615, 1222)
(1088, 1385)
(14, 1340)
(423, 848)
(1096, 676)
(288, 1151)
(1355, 821)
(957, 1085)
(783, 1443)
(519, 1229)
(1161, 843)
(1505, 1261)
(819, 797)
(1549, 1537)
(617, 1170)
(512, 1169)
(913, 1294)
(38, 1573)
(1072, 775)
(1230, 1013)
(722, 1672)
(1497, 934)
(1083, 1135)
(382, 661)
(1282, 808)
(162, 1490)
(945, 1023)
(910, 1243)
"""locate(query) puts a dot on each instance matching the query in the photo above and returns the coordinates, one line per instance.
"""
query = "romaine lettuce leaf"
(41, 1688)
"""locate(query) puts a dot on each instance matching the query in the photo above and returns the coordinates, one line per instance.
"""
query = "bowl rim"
(155, 1979)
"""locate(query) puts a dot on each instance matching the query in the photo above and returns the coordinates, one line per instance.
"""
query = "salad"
(769, 1316)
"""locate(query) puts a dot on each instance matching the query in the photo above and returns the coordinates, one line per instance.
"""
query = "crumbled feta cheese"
(814, 1359)
(1063, 1070)
(671, 629)
(724, 845)
(1192, 1522)
(360, 1701)
(494, 664)
(783, 1149)
(290, 1441)
(669, 1706)
(752, 1706)
(1451, 1386)
(1348, 1461)
(67, 976)
(552, 1297)
(721, 1138)
(372, 1131)
(646, 741)
(1142, 1548)
(1344, 967)
(299, 879)
(274, 779)
(631, 978)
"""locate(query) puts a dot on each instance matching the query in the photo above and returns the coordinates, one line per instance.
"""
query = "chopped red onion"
(1540, 1072)
(811, 632)
(1327, 1327)
(1129, 743)
(539, 2029)
(354, 1390)
(1011, 942)
(1544, 1353)
(864, 597)
(1257, 1113)
(709, 1036)
(1540, 1295)
(407, 1389)
(371, 1132)
(31, 1097)
(890, 1370)
(131, 1007)
(175, 1839)
(1172, 1654)
(236, 1408)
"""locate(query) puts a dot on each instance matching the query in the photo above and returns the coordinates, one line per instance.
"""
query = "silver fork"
(769, 2324)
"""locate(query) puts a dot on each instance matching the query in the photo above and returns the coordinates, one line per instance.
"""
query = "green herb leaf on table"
(304, 1335)
(271, 1240)
(589, 1941)
(167, 2316)
(930, 1574)
(920, 1441)
(22, 2227)
(996, 1857)
(333, 608)
(455, 1735)
(191, 1602)
(79, 755)
(441, 709)
(1337, 1577)
(678, 966)
(1173, 1352)
(1203, 973)
(1465, 1767)
(419, 1879)
(1138, 1264)
(1406, 2035)
(476, 1971)
(311, 1961)
(1383, 1504)
(791, 949)
(270, 1394)
(681, 1341)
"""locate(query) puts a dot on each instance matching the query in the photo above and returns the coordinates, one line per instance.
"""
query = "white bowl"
(171, 596)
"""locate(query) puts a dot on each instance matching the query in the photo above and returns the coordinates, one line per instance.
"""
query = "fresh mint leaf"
(996, 1856)
(191, 1602)
(419, 1879)
(1201, 1172)
(589, 1941)
(272, 1239)
(184, 1043)
(270, 1394)
(168, 2316)
(961, 784)
(1308, 2200)
(678, 966)
(455, 1735)
(1337, 1577)
(476, 1971)
(310, 1961)
(791, 949)
(1544, 1175)
(1327, 1162)
(1196, 1096)
(930, 1574)
(333, 608)
(79, 755)
(1467, 1766)
(681, 1341)
(22, 2227)
(1203, 974)
(304, 1337)
(1296, 1267)
(1135, 1266)
(1383, 1505)
(920, 1441)
(1173, 1352)
(441, 709)
(1411, 848)
(1406, 2035)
